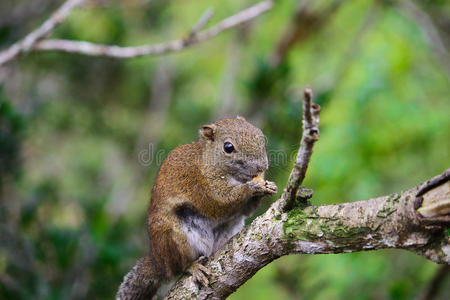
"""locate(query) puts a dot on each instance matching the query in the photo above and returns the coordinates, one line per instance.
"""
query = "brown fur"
(202, 180)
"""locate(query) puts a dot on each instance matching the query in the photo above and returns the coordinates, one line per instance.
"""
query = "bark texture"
(385, 222)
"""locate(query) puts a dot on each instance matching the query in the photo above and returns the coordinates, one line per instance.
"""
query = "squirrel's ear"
(241, 118)
(208, 132)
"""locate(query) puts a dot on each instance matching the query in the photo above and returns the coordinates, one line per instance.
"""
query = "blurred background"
(81, 138)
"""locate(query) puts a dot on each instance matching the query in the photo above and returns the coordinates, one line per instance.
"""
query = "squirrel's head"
(235, 147)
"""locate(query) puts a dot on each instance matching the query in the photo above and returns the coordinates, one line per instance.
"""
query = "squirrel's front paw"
(199, 271)
(271, 187)
(261, 188)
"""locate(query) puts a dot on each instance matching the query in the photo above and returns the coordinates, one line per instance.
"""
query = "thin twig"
(204, 19)
(27, 43)
(93, 49)
(310, 135)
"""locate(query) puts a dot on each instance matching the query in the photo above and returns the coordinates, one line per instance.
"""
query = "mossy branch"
(385, 222)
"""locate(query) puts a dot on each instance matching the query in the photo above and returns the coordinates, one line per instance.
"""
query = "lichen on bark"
(384, 222)
(308, 225)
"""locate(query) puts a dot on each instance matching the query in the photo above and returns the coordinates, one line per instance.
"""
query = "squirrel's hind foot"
(199, 272)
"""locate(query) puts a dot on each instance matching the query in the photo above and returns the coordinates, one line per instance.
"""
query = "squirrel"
(202, 195)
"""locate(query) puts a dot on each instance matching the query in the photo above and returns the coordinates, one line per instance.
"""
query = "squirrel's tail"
(141, 282)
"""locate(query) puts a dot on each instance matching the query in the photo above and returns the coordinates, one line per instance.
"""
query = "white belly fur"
(206, 236)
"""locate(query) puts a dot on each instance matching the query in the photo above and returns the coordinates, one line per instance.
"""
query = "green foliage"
(11, 129)
(75, 128)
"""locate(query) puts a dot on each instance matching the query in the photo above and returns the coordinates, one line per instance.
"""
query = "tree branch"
(41, 32)
(310, 134)
(33, 43)
(384, 222)
(204, 19)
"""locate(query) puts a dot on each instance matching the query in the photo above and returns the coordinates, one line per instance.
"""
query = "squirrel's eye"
(228, 147)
